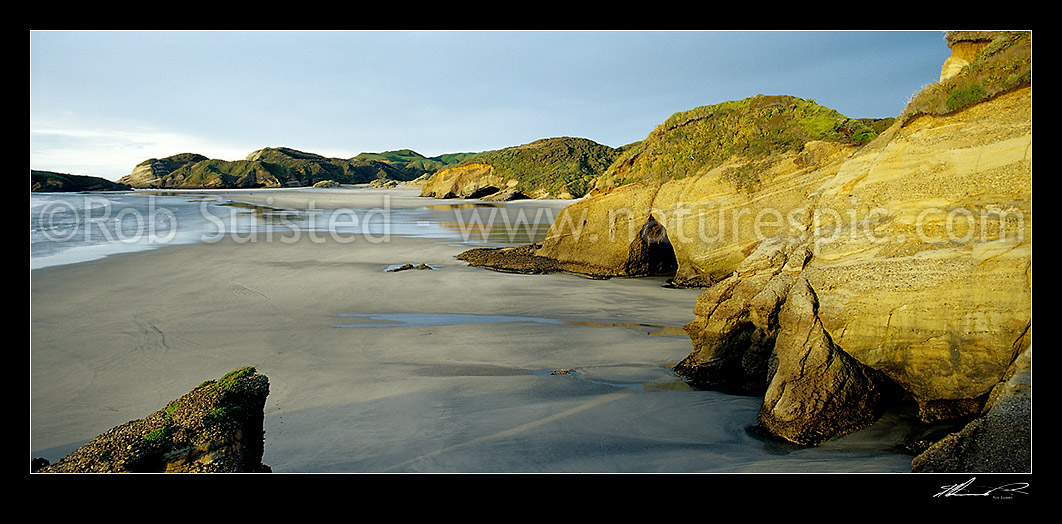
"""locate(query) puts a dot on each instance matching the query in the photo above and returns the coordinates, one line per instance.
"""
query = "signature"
(960, 490)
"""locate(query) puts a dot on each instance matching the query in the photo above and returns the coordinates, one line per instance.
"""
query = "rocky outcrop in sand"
(668, 207)
(215, 428)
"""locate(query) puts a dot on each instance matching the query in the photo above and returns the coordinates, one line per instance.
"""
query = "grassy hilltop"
(695, 141)
(279, 167)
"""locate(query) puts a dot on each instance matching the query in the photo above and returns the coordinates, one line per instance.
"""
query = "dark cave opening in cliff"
(656, 255)
(483, 192)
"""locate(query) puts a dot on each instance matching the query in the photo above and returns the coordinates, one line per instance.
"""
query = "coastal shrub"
(965, 96)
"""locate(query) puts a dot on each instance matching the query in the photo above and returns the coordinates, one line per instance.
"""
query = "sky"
(103, 101)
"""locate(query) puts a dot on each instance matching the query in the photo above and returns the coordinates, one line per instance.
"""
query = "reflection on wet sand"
(462, 205)
(451, 319)
(494, 224)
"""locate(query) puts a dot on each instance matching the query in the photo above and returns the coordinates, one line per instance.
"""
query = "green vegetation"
(229, 382)
(281, 166)
(158, 434)
(412, 161)
(227, 412)
(1003, 64)
(753, 128)
(171, 408)
(557, 165)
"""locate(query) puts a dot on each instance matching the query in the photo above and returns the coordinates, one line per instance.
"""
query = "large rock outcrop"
(692, 198)
(215, 428)
(841, 274)
(920, 267)
(563, 167)
(472, 180)
(152, 172)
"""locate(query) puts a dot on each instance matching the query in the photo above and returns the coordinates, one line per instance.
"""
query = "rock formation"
(407, 267)
(473, 180)
(215, 428)
(844, 268)
(695, 196)
(561, 167)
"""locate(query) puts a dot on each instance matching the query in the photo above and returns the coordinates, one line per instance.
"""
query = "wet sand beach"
(470, 371)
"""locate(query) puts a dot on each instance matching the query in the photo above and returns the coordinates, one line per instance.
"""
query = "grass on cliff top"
(1005, 63)
(753, 128)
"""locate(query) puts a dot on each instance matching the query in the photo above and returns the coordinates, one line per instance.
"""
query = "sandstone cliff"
(215, 428)
(844, 270)
(686, 199)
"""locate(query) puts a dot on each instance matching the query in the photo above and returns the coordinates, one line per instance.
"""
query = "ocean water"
(67, 228)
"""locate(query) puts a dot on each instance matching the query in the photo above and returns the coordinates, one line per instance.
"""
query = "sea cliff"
(848, 267)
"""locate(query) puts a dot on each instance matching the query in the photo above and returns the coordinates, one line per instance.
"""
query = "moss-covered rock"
(215, 428)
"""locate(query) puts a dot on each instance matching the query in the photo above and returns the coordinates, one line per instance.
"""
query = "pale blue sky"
(101, 101)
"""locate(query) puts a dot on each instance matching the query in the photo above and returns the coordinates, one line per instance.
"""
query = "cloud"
(112, 151)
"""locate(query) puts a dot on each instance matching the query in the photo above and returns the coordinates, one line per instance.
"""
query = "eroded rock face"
(737, 320)
(215, 428)
(925, 270)
(605, 235)
(716, 218)
(816, 390)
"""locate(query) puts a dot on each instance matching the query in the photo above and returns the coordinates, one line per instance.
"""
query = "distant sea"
(67, 228)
